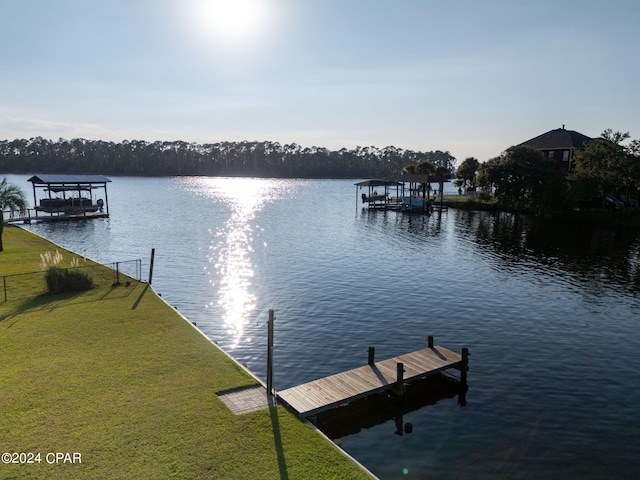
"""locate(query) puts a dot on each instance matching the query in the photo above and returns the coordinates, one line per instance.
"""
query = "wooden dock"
(28, 217)
(329, 392)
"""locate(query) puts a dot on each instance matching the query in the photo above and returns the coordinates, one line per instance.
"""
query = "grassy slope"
(119, 376)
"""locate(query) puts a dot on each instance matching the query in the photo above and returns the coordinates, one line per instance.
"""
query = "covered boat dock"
(407, 193)
(66, 197)
(378, 194)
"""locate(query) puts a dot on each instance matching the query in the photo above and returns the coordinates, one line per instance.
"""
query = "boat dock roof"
(56, 179)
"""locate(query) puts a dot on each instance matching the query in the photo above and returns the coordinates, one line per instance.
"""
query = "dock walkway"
(325, 393)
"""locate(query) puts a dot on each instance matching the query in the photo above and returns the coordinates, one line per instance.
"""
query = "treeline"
(168, 158)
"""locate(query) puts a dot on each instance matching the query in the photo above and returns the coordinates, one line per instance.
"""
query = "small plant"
(48, 259)
(61, 280)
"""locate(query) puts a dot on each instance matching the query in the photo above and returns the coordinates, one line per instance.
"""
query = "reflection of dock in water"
(379, 408)
(375, 377)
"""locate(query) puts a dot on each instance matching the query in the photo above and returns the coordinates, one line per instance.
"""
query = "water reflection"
(386, 408)
(601, 254)
(411, 224)
(231, 266)
(587, 253)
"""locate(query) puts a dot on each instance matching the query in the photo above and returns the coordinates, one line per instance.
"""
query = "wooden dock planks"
(322, 394)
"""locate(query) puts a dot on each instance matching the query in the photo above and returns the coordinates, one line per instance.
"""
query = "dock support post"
(372, 351)
(270, 353)
(153, 254)
(430, 341)
(462, 396)
(465, 366)
(399, 388)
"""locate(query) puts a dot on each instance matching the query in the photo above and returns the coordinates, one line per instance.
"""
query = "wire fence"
(129, 268)
(26, 285)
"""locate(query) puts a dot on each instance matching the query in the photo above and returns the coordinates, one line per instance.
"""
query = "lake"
(548, 309)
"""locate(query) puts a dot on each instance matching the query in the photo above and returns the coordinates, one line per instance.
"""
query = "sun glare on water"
(231, 251)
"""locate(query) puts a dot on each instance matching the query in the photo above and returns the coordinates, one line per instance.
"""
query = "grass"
(21, 270)
(118, 376)
(466, 202)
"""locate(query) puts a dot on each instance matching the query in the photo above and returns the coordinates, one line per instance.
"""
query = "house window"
(551, 155)
(565, 156)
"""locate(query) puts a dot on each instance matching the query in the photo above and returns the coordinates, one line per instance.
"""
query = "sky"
(471, 77)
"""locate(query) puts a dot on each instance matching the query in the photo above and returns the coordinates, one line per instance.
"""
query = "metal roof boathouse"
(67, 197)
(411, 193)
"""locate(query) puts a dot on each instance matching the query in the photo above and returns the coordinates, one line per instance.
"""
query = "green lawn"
(118, 376)
(465, 202)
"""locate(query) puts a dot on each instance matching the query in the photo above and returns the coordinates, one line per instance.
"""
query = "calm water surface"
(549, 312)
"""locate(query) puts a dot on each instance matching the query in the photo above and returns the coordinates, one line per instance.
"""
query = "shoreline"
(111, 372)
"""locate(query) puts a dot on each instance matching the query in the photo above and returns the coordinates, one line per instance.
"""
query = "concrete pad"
(247, 399)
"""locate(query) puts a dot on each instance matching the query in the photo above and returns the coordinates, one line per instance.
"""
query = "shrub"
(48, 259)
(61, 280)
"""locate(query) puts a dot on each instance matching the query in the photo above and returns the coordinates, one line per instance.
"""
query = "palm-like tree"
(11, 198)
(422, 168)
(443, 173)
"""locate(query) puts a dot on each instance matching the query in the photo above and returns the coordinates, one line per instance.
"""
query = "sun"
(232, 22)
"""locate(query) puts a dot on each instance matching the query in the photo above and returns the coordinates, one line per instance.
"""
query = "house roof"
(68, 179)
(558, 139)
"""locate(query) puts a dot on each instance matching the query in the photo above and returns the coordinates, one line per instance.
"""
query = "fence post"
(4, 280)
(153, 254)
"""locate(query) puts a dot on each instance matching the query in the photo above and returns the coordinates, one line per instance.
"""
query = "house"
(558, 145)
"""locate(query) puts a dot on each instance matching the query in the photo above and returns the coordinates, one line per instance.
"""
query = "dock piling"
(464, 366)
(270, 353)
(430, 341)
(399, 388)
(372, 351)
(153, 254)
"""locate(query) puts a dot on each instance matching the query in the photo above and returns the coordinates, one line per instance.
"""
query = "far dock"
(391, 374)
(405, 193)
(64, 197)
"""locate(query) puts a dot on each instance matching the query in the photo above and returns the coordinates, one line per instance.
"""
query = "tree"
(468, 172)
(263, 159)
(523, 179)
(12, 198)
(605, 166)
(441, 159)
(442, 173)
(422, 168)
